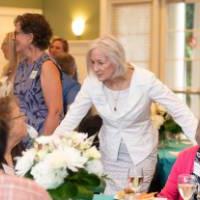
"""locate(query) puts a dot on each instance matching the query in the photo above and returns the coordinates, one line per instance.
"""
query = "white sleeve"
(77, 110)
(175, 107)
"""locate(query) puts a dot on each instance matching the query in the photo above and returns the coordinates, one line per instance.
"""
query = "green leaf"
(84, 193)
(65, 191)
(171, 126)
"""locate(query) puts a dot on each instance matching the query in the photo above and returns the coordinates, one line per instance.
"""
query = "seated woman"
(13, 128)
(188, 162)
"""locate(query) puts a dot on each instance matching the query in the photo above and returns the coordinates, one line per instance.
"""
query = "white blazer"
(134, 125)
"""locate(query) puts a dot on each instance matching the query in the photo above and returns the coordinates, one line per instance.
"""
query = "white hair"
(113, 50)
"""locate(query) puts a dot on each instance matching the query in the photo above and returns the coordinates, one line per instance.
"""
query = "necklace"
(112, 97)
(115, 97)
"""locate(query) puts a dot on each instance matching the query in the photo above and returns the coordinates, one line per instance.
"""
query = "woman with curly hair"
(38, 79)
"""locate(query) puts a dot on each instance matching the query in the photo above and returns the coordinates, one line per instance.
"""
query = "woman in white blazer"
(122, 94)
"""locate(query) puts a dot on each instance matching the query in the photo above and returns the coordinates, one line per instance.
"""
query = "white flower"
(95, 167)
(92, 153)
(74, 159)
(31, 131)
(53, 156)
(161, 109)
(41, 154)
(48, 177)
(44, 140)
(24, 163)
(157, 121)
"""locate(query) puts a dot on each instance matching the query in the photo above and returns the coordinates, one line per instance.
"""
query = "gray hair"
(113, 50)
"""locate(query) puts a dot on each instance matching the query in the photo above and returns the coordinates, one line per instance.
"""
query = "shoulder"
(91, 81)
(143, 76)
(69, 81)
(189, 152)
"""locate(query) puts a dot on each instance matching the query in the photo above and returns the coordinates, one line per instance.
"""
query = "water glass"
(187, 185)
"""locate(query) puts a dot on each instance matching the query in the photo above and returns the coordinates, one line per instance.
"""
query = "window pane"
(133, 32)
(183, 51)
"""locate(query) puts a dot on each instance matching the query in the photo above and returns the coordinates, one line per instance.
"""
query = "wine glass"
(135, 179)
(187, 184)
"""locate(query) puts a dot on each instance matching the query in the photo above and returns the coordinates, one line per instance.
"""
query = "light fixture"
(78, 26)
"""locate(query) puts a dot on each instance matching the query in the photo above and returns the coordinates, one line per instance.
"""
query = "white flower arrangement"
(158, 113)
(61, 162)
(163, 122)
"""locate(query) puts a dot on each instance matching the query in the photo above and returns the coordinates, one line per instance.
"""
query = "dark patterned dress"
(27, 87)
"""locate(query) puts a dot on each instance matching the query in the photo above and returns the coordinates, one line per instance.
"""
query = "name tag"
(196, 168)
(33, 74)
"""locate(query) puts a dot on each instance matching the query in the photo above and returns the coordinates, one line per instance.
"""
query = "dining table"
(167, 154)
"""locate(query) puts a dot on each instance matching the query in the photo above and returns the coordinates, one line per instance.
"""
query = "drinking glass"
(135, 180)
(187, 185)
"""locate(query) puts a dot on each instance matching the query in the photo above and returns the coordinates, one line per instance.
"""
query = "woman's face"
(5, 49)
(56, 48)
(23, 40)
(101, 65)
(18, 129)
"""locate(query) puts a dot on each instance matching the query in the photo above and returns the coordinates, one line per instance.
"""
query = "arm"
(77, 110)
(197, 136)
(52, 90)
(176, 108)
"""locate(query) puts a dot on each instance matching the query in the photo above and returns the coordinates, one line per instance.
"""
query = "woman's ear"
(31, 37)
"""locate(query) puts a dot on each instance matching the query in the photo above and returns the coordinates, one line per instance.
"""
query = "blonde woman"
(9, 51)
(122, 95)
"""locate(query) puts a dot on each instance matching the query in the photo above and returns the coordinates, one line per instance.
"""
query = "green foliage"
(169, 126)
(77, 186)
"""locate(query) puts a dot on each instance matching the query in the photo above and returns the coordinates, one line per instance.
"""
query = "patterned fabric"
(27, 87)
(16, 188)
(196, 173)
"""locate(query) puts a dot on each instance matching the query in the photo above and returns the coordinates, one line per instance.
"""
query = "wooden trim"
(130, 1)
(104, 17)
(187, 91)
(163, 28)
(154, 49)
(10, 11)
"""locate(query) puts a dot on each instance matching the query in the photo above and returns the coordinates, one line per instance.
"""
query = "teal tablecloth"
(167, 159)
(165, 162)
(103, 197)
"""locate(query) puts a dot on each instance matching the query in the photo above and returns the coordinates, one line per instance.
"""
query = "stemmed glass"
(135, 180)
(187, 185)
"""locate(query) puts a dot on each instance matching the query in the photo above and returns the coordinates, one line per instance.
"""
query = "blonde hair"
(113, 50)
(9, 41)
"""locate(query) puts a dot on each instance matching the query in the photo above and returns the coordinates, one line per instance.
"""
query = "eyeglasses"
(17, 117)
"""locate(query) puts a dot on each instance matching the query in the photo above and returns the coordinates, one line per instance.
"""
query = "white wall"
(7, 16)
(79, 50)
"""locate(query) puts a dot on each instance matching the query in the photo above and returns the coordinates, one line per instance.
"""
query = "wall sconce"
(78, 26)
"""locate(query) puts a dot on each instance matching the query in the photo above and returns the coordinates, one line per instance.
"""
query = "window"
(163, 36)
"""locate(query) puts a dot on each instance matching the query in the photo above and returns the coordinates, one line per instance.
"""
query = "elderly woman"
(122, 95)
(38, 80)
(12, 130)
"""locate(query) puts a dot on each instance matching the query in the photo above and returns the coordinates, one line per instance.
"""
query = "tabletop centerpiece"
(67, 166)
(167, 127)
